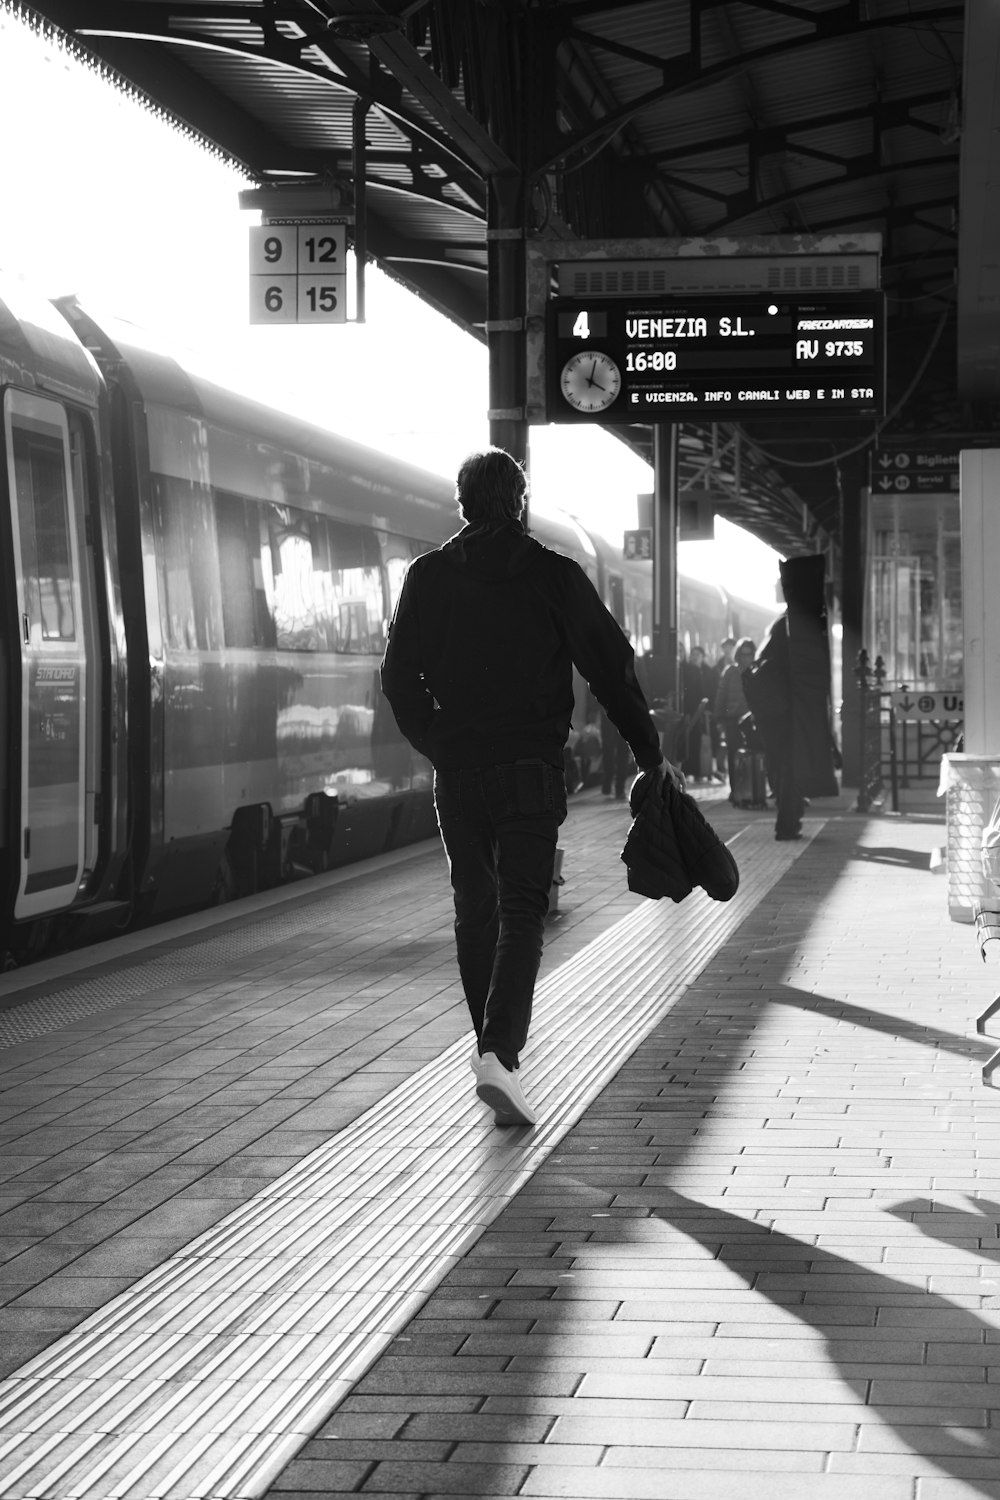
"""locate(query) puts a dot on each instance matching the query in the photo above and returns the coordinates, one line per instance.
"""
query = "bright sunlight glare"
(107, 200)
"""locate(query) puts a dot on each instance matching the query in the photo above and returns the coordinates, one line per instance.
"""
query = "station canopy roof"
(655, 118)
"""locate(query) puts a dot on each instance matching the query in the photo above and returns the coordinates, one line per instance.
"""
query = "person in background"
(731, 704)
(697, 697)
(723, 660)
(788, 690)
(717, 667)
(478, 671)
(614, 759)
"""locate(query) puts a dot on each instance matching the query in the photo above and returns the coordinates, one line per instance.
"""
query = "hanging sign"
(747, 354)
(298, 273)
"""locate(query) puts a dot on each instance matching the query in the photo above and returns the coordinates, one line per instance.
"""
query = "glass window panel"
(247, 585)
(357, 598)
(323, 582)
(397, 554)
(43, 521)
(184, 521)
(914, 589)
(297, 597)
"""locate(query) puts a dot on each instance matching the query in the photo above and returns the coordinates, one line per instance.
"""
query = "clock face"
(590, 381)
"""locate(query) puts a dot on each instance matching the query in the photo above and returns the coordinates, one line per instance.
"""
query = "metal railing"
(895, 749)
(874, 703)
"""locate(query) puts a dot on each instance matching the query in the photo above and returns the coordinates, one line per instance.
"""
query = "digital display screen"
(749, 354)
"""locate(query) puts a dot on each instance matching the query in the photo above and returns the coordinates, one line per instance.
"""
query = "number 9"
(272, 249)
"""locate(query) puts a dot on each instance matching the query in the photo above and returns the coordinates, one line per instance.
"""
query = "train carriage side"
(269, 555)
(63, 832)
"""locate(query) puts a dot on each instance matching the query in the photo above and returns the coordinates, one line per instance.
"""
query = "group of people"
(713, 704)
(478, 672)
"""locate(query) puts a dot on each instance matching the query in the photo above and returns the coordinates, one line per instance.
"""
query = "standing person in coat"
(731, 704)
(698, 695)
(614, 759)
(478, 671)
(717, 668)
(788, 690)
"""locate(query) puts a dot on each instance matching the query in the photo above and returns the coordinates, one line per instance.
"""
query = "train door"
(53, 654)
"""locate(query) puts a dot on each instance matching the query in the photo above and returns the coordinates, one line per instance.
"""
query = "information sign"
(919, 469)
(638, 544)
(938, 705)
(750, 354)
(298, 273)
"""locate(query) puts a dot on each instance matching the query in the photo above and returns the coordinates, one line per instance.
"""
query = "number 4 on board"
(581, 328)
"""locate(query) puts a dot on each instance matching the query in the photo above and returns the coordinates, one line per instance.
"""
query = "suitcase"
(706, 760)
(750, 780)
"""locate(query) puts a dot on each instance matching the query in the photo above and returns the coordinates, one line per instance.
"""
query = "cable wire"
(834, 458)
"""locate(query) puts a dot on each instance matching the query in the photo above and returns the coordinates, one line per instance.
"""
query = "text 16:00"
(659, 359)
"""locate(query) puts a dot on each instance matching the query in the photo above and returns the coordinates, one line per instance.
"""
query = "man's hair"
(491, 487)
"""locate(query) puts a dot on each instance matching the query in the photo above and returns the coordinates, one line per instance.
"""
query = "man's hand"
(675, 774)
(651, 782)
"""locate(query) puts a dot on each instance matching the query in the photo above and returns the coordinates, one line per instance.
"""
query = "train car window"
(324, 589)
(297, 599)
(324, 581)
(43, 519)
(397, 554)
(356, 590)
(184, 523)
(246, 614)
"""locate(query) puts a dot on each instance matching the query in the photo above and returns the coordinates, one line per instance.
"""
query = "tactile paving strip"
(203, 1379)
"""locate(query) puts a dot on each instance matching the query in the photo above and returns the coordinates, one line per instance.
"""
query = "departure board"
(749, 354)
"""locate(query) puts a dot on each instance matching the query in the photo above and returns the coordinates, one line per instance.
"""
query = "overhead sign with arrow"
(939, 705)
(915, 471)
(928, 468)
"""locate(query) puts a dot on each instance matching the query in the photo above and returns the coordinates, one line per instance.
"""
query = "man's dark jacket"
(671, 847)
(478, 667)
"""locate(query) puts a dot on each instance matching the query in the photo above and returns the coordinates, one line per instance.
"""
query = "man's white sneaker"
(502, 1092)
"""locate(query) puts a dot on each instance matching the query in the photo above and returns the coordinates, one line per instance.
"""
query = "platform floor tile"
(681, 1305)
(300, 1287)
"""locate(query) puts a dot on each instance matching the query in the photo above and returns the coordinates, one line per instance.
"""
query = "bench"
(988, 931)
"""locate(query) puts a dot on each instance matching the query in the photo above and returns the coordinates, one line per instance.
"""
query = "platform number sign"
(298, 273)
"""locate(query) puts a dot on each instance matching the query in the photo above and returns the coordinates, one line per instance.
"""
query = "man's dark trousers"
(787, 793)
(499, 825)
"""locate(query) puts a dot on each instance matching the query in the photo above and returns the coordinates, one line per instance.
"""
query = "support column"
(360, 160)
(852, 614)
(664, 676)
(505, 326)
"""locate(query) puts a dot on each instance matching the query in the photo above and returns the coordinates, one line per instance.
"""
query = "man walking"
(478, 672)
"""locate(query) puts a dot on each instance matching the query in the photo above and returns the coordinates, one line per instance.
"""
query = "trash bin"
(971, 785)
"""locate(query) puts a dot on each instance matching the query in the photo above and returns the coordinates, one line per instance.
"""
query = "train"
(196, 595)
